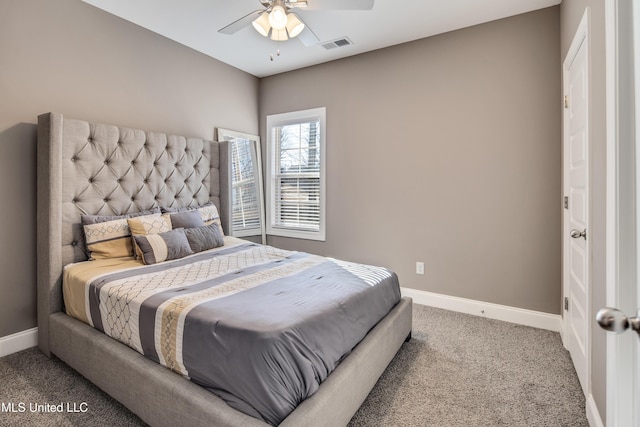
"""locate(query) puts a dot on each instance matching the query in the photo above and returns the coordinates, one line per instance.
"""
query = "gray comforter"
(258, 326)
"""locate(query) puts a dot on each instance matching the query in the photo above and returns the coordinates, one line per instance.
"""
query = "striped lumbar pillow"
(156, 248)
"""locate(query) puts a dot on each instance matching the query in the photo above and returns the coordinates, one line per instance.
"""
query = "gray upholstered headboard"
(97, 169)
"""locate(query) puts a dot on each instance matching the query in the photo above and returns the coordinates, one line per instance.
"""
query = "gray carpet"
(458, 370)
(462, 370)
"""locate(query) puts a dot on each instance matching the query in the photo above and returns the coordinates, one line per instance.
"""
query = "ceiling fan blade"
(339, 4)
(308, 37)
(241, 23)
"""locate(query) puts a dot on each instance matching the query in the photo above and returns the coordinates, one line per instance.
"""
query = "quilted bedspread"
(259, 326)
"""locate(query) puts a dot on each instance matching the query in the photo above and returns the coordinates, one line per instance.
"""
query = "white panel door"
(634, 369)
(623, 212)
(576, 191)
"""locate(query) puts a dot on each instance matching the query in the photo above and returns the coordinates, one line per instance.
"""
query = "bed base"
(163, 398)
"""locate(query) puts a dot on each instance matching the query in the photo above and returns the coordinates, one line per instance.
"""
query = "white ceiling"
(195, 23)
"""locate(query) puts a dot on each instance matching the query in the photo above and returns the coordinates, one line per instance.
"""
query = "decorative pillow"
(149, 224)
(208, 212)
(109, 239)
(94, 219)
(109, 236)
(188, 219)
(163, 246)
(145, 225)
(203, 238)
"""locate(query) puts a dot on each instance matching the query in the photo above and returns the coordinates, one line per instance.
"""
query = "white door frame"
(622, 256)
(580, 39)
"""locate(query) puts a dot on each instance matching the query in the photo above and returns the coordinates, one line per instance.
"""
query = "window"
(245, 176)
(296, 158)
(246, 203)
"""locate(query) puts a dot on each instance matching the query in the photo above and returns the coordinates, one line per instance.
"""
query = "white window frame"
(283, 119)
(256, 159)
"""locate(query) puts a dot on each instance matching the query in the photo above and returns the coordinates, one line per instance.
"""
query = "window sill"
(297, 234)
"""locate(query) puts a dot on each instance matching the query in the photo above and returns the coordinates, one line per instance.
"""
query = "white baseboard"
(536, 319)
(593, 416)
(18, 342)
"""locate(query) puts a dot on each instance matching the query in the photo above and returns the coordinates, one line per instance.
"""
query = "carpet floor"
(457, 370)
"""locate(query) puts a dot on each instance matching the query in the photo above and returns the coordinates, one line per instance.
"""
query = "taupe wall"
(571, 14)
(70, 57)
(445, 150)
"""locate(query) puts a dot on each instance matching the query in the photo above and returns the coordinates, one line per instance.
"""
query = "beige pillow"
(109, 239)
(146, 225)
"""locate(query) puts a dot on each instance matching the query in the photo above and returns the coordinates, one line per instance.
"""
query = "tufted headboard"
(98, 169)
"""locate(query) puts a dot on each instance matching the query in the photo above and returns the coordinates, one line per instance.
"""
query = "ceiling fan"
(276, 18)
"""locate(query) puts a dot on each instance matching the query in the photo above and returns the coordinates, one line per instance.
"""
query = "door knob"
(576, 234)
(614, 320)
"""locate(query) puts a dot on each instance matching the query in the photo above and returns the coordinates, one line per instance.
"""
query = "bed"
(95, 169)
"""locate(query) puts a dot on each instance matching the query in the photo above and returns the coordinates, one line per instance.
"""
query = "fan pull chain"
(277, 52)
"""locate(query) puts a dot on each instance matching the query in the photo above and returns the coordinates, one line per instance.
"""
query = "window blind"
(246, 201)
(297, 176)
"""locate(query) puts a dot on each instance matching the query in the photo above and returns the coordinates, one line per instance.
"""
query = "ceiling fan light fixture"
(278, 17)
(279, 35)
(294, 25)
(261, 24)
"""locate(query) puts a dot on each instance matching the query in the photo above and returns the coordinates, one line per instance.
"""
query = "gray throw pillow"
(188, 219)
(204, 238)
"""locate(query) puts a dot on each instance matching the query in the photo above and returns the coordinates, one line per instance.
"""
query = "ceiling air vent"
(337, 43)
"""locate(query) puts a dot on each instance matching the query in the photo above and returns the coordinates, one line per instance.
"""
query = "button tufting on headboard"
(114, 171)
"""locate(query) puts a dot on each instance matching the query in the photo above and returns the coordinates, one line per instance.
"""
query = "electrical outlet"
(419, 267)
